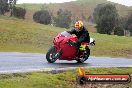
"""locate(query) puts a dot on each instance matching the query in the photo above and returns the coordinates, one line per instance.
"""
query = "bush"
(4, 7)
(106, 18)
(119, 31)
(19, 12)
(42, 17)
(63, 19)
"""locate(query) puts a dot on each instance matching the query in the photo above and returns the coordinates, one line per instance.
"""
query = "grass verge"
(60, 80)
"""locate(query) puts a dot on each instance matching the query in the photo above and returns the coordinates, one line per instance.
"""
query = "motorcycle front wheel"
(52, 55)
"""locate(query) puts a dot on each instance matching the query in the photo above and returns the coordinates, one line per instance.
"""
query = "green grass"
(25, 36)
(110, 45)
(48, 80)
(36, 80)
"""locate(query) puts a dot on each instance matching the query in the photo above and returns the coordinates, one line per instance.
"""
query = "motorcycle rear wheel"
(84, 58)
(52, 55)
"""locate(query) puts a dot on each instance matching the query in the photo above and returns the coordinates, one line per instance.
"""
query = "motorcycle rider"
(81, 32)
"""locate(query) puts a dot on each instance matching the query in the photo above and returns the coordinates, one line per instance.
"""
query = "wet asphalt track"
(11, 62)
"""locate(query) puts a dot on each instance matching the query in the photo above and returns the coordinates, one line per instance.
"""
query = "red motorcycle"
(63, 50)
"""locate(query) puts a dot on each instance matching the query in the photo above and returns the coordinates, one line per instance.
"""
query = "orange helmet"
(78, 25)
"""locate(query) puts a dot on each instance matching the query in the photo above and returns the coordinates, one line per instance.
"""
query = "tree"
(18, 12)
(9, 5)
(106, 18)
(119, 31)
(45, 7)
(128, 25)
(42, 17)
(12, 4)
(4, 7)
(130, 29)
(63, 18)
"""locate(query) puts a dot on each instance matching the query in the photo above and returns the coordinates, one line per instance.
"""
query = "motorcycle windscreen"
(65, 33)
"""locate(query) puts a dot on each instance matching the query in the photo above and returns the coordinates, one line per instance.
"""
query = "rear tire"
(51, 55)
(85, 57)
(82, 60)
